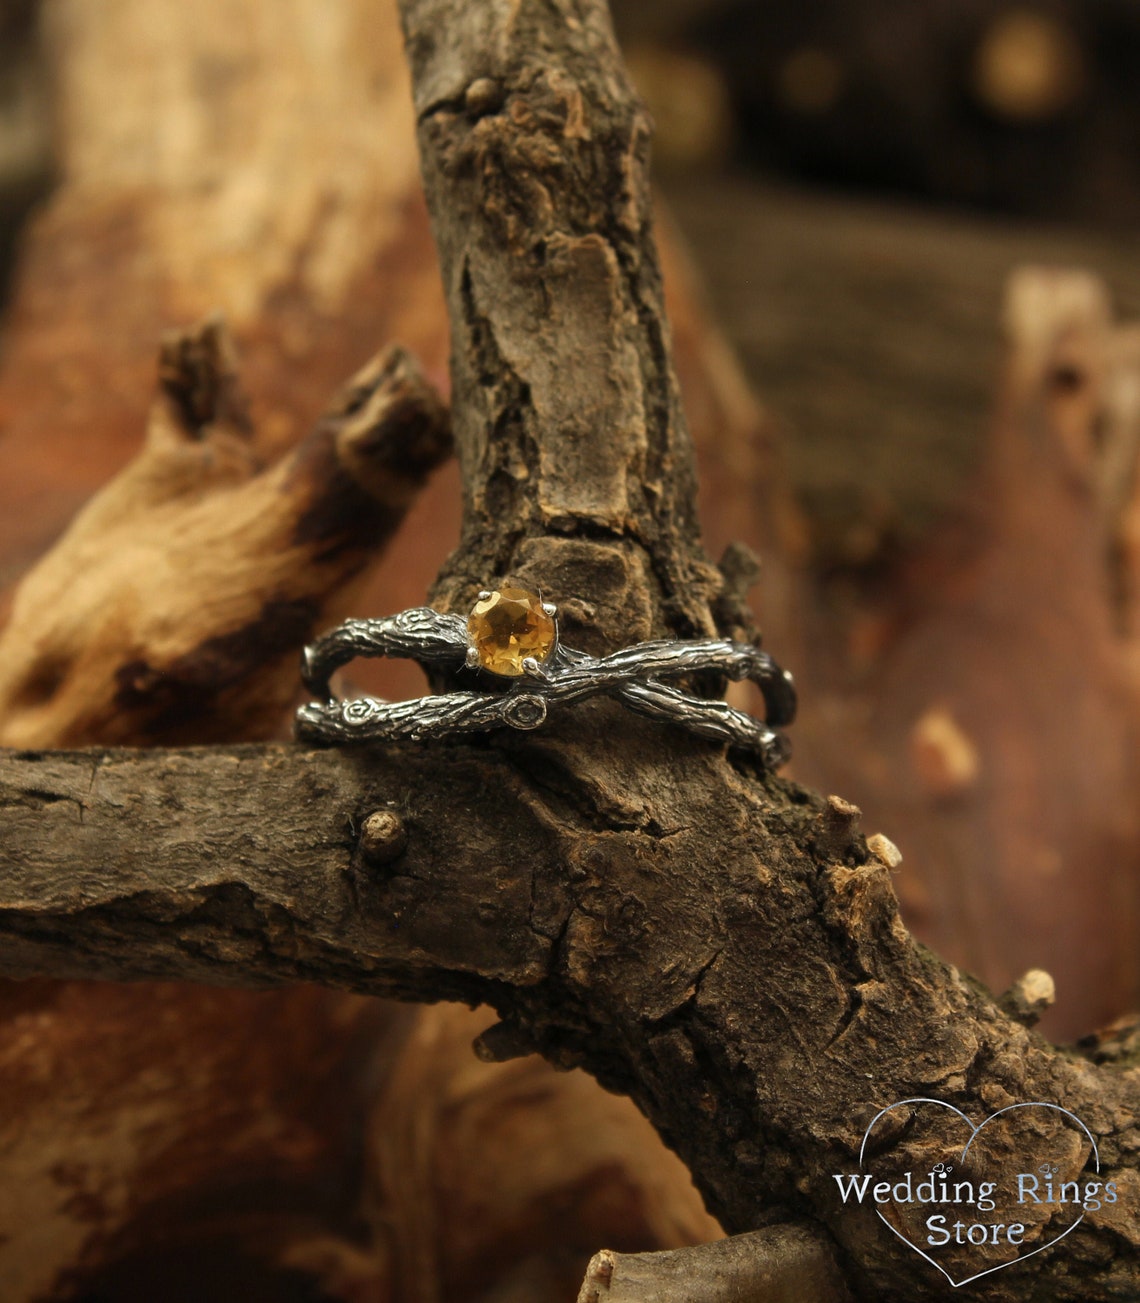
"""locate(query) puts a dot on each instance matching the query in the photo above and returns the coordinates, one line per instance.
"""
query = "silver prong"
(484, 593)
(550, 608)
(532, 668)
(317, 682)
(471, 660)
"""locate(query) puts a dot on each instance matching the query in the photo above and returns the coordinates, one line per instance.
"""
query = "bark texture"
(572, 446)
(715, 942)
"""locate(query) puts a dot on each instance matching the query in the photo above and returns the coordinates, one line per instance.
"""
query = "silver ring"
(521, 674)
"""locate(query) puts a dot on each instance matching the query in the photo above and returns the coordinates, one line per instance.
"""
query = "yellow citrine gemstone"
(507, 626)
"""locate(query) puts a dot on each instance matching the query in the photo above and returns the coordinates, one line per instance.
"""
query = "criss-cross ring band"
(521, 674)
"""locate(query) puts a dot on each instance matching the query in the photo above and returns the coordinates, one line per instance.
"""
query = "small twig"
(780, 1264)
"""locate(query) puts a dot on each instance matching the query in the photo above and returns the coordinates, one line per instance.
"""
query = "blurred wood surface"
(873, 331)
(959, 421)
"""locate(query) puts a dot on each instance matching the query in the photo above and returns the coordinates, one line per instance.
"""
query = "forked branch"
(717, 943)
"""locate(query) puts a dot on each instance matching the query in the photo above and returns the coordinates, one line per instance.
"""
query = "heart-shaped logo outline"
(974, 1130)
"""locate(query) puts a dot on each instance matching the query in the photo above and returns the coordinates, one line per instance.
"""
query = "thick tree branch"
(126, 865)
(760, 1017)
(576, 460)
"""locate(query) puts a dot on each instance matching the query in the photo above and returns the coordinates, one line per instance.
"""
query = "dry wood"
(498, 1183)
(173, 607)
(993, 707)
(875, 331)
(776, 1265)
(716, 943)
(207, 159)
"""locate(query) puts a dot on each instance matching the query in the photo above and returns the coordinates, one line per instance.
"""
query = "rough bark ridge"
(568, 425)
(720, 945)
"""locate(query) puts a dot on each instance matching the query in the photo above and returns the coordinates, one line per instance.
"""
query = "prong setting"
(532, 669)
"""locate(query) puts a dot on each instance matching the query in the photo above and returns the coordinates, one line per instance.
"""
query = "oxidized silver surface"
(632, 676)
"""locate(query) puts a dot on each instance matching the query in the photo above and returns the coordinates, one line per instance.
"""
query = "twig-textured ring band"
(522, 673)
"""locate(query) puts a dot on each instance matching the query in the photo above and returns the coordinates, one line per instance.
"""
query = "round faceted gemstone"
(507, 627)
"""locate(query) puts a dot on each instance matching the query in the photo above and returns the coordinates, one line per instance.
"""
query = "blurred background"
(900, 245)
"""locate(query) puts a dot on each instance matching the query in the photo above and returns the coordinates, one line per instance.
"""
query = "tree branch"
(125, 865)
(779, 1265)
(203, 573)
(576, 460)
